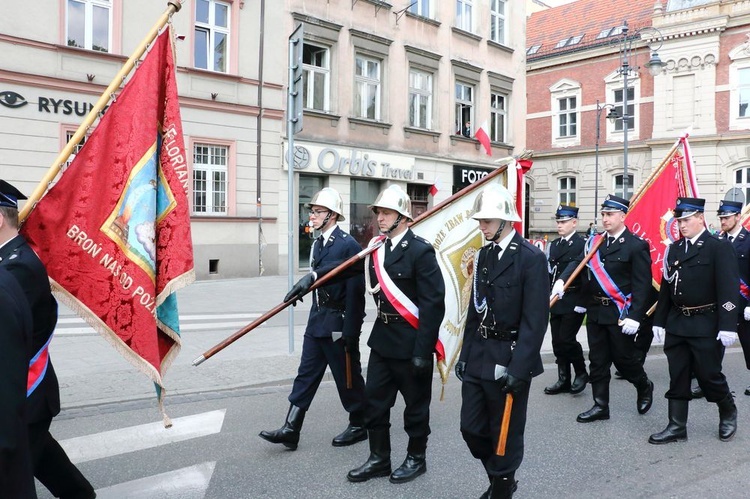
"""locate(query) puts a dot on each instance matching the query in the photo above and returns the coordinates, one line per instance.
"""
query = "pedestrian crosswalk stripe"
(186, 483)
(146, 436)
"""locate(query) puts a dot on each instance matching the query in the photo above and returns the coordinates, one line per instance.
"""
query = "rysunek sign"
(352, 162)
(14, 100)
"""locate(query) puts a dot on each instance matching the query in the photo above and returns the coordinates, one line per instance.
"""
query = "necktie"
(688, 244)
(494, 255)
(731, 239)
(318, 248)
(610, 240)
(388, 247)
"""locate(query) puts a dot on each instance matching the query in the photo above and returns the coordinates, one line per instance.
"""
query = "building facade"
(393, 93)
(573, 82)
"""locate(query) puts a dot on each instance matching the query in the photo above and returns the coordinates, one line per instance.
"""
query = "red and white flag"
(484, 138)
(435, 187)
(650, 214)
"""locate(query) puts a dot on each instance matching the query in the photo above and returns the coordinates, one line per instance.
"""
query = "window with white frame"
(497, 21)
(618, 187)
(743, 92)
(77, 148)
(420, 99)
(742, 181)
(464, 109)
(567, 190)
(421, 8)
(465, 15)
(567, 117)
(212, 35)
(316, 77)
(89, 24)
(498, 117)
(619, 103)
(367, 87)
(739, 88)
(210, 179)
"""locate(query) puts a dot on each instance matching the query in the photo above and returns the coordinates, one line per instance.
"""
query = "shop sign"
(353, 162)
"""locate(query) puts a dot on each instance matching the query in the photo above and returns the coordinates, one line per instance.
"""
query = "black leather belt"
(386, 317)
(701, 309)
(496, 334)
(604, 301)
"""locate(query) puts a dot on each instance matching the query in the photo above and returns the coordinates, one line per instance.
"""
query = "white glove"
(558, 289)
(747, 313)
(630, 327)
(727, 338)
(659, 334)
(579, 310)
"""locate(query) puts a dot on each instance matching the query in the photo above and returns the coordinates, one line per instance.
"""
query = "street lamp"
(612, 116)
(654, 66)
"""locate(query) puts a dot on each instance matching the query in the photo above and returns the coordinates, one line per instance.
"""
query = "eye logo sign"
(12, 99)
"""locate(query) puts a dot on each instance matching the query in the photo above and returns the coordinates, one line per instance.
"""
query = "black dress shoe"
(696, 392)
(727, 418)
(351, 435)
(645, 396)
(747, 390)
(413, 466)
(594, 414)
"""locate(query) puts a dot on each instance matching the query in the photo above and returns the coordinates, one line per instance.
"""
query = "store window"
(363, 226)
(308, 186)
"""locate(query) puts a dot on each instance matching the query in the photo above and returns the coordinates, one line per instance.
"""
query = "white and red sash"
(403, 305)
(38, 368)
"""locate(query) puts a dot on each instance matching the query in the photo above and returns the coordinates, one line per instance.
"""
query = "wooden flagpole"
(636, 197)
(172, 7)
(348, 263)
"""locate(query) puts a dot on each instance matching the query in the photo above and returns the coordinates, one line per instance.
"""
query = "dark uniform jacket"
(707, 274)
(413, 268)
(561, 253)
(627, 260)
(18, 257)
(741, 245)
(340, 306)
(517, 295)
(16, 477)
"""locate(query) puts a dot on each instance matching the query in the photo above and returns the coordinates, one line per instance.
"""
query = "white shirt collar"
(327, 234)
(616, 236)
(396, 239)
(695, 238)
(506, 240)
(729, 234)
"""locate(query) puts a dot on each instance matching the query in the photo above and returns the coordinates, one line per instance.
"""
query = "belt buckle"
(687, 312)
(384, 317)
(483, 331)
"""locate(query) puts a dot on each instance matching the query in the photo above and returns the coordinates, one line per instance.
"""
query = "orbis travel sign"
(351, 162)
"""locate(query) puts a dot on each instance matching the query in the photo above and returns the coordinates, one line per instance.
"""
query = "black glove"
(351, 344)
(515, 385)
(300, 289)
(460, 369)
(421, 366)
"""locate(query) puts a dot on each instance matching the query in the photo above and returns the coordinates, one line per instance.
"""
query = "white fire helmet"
(328, 198)
(394, 198)
(495, 202)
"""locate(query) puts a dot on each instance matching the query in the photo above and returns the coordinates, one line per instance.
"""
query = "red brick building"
(573, 61)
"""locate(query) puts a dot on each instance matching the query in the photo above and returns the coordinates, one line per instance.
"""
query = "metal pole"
(625, 69)
(596, 162)
(290, 186)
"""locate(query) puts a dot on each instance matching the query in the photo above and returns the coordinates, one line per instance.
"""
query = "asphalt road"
(563, 458)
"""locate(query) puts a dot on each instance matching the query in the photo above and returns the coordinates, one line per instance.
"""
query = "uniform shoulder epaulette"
(422, 240)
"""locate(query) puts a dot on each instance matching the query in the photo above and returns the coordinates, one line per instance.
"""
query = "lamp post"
(654, 66)
(612, 117)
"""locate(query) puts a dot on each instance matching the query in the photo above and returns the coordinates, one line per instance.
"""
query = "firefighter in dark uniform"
(697, 300)
(16, 475)
(566, 316)
(403, 337)
(333, 330)
(505, 328)
(732, 230)
(618, 282)
(51, 464)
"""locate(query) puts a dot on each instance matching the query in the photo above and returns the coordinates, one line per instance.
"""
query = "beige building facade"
(393, 93)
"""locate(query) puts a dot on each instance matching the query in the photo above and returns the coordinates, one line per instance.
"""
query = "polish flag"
(434, 188)
(484, 138)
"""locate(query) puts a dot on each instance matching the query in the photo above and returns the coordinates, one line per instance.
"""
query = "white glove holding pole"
(579, 310)
(727, 338)
(557, 289)
(747, 313)
(630, 327)
(659, 334)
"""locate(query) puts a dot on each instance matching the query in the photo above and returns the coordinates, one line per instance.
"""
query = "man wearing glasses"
(333, 330)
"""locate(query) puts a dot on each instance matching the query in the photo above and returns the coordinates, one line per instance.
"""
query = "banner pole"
(41, 188)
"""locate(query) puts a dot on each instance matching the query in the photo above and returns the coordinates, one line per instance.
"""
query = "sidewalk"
(91, 372)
